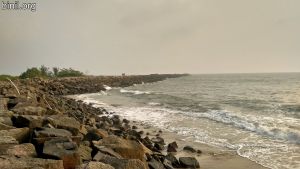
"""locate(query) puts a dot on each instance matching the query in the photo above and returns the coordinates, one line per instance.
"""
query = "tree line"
(45, 72)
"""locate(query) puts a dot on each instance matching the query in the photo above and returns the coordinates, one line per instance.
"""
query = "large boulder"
(3, 104)
(63, 149)
(189, 148)
(154, 164)
(51, 132)
(173, 160)
(8, 162)
(95, 165)
(189, 162)
(5, 127)
(6, 113)
(6, 120)
(65, 122)
(4, 140)
(30, 121)
(20, 150)
(120, 163)
(126, 148)
(108, 151)
(172, 147)
(30, 110)
(85, 153)
(95, 135)
(20, 134)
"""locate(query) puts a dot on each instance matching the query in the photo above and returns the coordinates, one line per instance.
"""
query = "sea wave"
(135, 92)
(290, 135)
(154, 104)
(107, 87)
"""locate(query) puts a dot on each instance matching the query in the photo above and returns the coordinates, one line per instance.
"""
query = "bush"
(45, 72)
(4, 77)
(31, 73)
(68, 73)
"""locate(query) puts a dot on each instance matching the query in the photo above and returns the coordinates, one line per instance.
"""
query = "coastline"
(41, 106)
(212, 157)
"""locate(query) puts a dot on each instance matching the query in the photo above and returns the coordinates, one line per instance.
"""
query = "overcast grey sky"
(153, 36)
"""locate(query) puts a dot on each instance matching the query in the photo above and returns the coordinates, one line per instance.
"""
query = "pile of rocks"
(41, 130)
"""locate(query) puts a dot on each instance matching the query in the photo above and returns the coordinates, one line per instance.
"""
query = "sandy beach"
(210, 158)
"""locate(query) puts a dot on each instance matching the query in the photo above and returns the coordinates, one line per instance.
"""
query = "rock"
(168, 164)
(30, 110)
(134, 127)
(108, 151)
(3, 104)
(158, 140)
(63, 149)
(5, 127)
(121, 163)
(65, 122)
(28, 121)
(51, 132)
(189, 148)
(21, 150)
(126, 148)
(134, 134)
(154, 164)
(20, 134)
(7, 162)
(147, 142)
(91, 121)
(159, 147)
(6, 120)
(85, 153)
(170, 157)
(172, 147)
(95, 165)
(95, 135)
(4, 140)
(6, 113)
(83, 130)
(126, 121)
(189, 162)
(199, 151)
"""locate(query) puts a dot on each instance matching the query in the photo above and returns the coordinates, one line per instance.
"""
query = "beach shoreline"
(42, 115)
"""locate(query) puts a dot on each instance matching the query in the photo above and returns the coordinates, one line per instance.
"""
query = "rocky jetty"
(41, 129)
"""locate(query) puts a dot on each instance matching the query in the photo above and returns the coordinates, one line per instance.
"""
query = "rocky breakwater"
(40, 129)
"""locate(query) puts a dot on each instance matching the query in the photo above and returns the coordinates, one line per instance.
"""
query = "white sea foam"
(262, 151)
(136, 92)
(169, 120)
(154, 104)
(107, 87)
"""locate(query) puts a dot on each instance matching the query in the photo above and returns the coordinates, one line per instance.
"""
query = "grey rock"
(189, 162)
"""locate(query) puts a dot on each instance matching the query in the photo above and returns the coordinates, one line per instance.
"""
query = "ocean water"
(256, 115)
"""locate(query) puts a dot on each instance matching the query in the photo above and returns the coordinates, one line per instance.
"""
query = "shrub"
(31, 73)
(68, 73)
(45, 72)
(4, 77)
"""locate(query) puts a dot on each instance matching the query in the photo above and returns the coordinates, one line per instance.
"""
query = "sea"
(256, 115)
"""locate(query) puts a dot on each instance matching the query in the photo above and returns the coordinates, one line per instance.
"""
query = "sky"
(109, 37)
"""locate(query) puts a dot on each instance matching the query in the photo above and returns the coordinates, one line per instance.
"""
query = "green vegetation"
(45, 72)
(4, 77)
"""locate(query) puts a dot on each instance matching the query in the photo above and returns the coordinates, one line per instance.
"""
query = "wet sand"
(210, 158)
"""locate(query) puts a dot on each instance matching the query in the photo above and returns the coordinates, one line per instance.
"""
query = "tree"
(31, 73)
(55, 71)
(45, 71)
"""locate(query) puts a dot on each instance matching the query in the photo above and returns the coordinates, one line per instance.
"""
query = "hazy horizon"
(144, 37)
